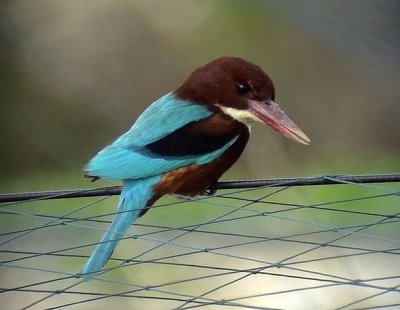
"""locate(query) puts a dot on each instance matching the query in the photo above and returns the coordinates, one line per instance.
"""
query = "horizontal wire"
(67, 220)
(302, 181)
(223, 254)
(43, 291)
(273, 293)
(153, 289)
(348, 281)
(121, 294)
(70, 276)
(291, 257)
(389, 306)
(41, 300)
(201, 299)
(140, 236)
(162, 229)
(281, 275)
(230, 270)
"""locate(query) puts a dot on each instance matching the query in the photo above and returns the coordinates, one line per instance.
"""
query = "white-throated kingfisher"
(185, 141)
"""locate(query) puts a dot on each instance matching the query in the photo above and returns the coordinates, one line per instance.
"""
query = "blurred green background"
(76, 74)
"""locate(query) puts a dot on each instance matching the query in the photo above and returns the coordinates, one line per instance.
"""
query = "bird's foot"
(210, 191)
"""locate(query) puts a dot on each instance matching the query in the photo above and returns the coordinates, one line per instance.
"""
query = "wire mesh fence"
(254, 245)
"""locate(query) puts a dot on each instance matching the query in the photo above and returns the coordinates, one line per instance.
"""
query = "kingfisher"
(184, 142)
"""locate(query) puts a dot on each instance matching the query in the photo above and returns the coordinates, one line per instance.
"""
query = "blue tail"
(134, 196)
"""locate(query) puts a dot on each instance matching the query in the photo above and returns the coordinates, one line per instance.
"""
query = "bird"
(184, 141)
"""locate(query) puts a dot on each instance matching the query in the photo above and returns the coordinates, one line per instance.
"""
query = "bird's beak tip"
(301, 137)
(306, 141)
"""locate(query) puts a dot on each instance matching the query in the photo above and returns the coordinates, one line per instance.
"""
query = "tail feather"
(134, 197)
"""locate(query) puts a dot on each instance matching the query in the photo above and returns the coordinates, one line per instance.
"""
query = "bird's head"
(242, 91)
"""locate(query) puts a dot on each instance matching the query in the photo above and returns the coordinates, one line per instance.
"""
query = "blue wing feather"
(119, 161)
(164, 116)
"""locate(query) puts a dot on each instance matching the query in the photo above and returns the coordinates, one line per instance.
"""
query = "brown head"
(240, 89)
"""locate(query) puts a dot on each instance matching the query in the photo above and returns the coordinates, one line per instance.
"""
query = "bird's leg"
(149, 204)
(143, 211)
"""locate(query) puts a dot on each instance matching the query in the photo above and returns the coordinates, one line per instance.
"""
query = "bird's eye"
(243, 88)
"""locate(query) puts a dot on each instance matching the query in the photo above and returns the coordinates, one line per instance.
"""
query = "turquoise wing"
(126, 159)
(164, 116)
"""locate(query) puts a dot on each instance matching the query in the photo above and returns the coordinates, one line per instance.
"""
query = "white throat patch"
(243, 116)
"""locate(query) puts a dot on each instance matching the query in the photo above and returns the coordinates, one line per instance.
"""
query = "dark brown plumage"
(217, 83)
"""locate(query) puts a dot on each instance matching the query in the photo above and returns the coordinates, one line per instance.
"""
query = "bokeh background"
(76, 74)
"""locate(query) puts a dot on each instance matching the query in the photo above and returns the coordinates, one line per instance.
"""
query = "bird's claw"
(210, 191)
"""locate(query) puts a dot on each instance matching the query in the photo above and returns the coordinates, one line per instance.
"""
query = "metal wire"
(255, 247)
(116, 190)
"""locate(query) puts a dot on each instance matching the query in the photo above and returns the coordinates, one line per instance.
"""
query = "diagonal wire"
(156, 247)
(284, 260)
(385, 218)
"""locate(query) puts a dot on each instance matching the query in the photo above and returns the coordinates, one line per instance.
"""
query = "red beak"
(271, 114)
